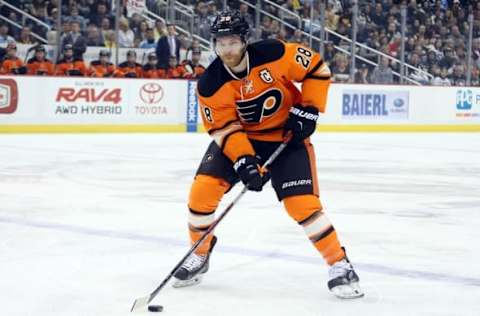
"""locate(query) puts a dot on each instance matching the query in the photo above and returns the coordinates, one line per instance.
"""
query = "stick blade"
(140, 303)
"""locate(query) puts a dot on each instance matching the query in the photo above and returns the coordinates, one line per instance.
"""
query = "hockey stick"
(144, 301)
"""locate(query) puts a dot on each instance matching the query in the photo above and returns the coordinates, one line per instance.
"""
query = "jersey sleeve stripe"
(214, 130)
(225, 139)
(314, 69)
(220, 136)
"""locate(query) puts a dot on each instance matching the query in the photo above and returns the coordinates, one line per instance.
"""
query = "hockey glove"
(248, 170)
(301, 122)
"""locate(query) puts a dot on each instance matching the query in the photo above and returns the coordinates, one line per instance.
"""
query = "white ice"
(88, 223)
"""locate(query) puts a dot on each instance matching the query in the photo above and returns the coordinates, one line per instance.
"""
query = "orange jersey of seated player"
(257, 106)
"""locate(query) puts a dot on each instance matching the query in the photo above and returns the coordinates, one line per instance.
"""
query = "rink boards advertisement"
(63, 104)
(103, 104)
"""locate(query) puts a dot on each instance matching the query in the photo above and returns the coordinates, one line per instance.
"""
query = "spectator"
(75, 17)
(150, 69)
(383, 74)
(100, 15)
(12, 65)
(441, 79)
(160, 29)
(362, 75)
(202, 20)
(26, 36)
(76, 39)
(125, 34)
(4, 37)
(329, 52)
(341, 69)
(106, 25)
(141, 31)
(40, 14)
(193, 67)
(458, 77)
(174, 70)
(168, 46)
(94, 38)
(109, 39)
(69, 65)
(448, 60)
(129, 68)
(102, 67)
(39, 65)
(378, 16)
(149, 41)
(243, 9)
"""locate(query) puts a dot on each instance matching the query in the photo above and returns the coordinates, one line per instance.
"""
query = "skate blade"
(348, 291)
(184, 283)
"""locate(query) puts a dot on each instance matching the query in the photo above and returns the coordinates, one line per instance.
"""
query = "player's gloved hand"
(248, 169)
(301, 122)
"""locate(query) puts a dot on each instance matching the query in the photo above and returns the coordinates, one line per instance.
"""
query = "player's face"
(230, 49)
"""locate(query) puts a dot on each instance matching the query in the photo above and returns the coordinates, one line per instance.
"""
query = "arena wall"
(64, 104)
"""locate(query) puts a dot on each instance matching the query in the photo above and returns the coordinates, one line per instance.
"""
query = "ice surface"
(88, 223)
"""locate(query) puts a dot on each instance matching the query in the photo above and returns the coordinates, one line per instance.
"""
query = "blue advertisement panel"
(375, 104)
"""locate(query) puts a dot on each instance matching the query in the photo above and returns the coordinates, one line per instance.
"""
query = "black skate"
(193, 269)
(343, 280)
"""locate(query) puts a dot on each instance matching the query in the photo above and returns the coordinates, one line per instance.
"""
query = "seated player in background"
(12, 65)
(129, 68)
(249, 103)
(151, 69)
(39, 64)
(192, 66)
(102, 67)
(70, 65)
(174, 70)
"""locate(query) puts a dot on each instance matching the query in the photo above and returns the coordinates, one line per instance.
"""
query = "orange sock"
(205, 194)
(306, 210)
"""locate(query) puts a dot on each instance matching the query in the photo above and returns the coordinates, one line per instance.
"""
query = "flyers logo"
(263, 105)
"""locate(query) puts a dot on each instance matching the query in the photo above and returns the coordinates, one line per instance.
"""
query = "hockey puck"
(155, 308)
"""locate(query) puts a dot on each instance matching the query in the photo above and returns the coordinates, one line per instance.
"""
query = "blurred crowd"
(436, 35)
(435, 45)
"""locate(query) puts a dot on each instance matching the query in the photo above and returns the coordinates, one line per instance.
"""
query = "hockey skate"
(193, 269)
(343, 280)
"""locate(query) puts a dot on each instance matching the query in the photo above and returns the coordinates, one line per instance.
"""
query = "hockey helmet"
(104, 53)
(229, 23)
(132, 53)
(40, 48)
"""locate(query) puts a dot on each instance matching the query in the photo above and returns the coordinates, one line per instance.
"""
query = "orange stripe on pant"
(306, 210)
(205, 195)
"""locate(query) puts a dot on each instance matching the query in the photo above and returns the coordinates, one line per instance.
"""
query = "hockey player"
(70, 65)
(39, 64)
(12, 65)
(129, 68)
(102, 67)
(174, 70)
(193, 67)
(150, 69)
(248, 103)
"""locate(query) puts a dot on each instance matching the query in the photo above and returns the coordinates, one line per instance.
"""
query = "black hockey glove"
(248, 169)
(301, 122)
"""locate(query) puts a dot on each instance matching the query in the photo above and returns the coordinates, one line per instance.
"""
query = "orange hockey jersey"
(13, 66)
(257, 106)
(43, 68)
(74, 67)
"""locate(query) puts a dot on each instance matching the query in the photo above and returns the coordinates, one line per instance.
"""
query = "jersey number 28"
(303, 57)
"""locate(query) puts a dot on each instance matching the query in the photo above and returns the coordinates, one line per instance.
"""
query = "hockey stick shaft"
(144, 301)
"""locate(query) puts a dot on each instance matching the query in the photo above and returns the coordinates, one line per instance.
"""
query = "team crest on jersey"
(247, 86)
(266, 76)
(264, 105)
